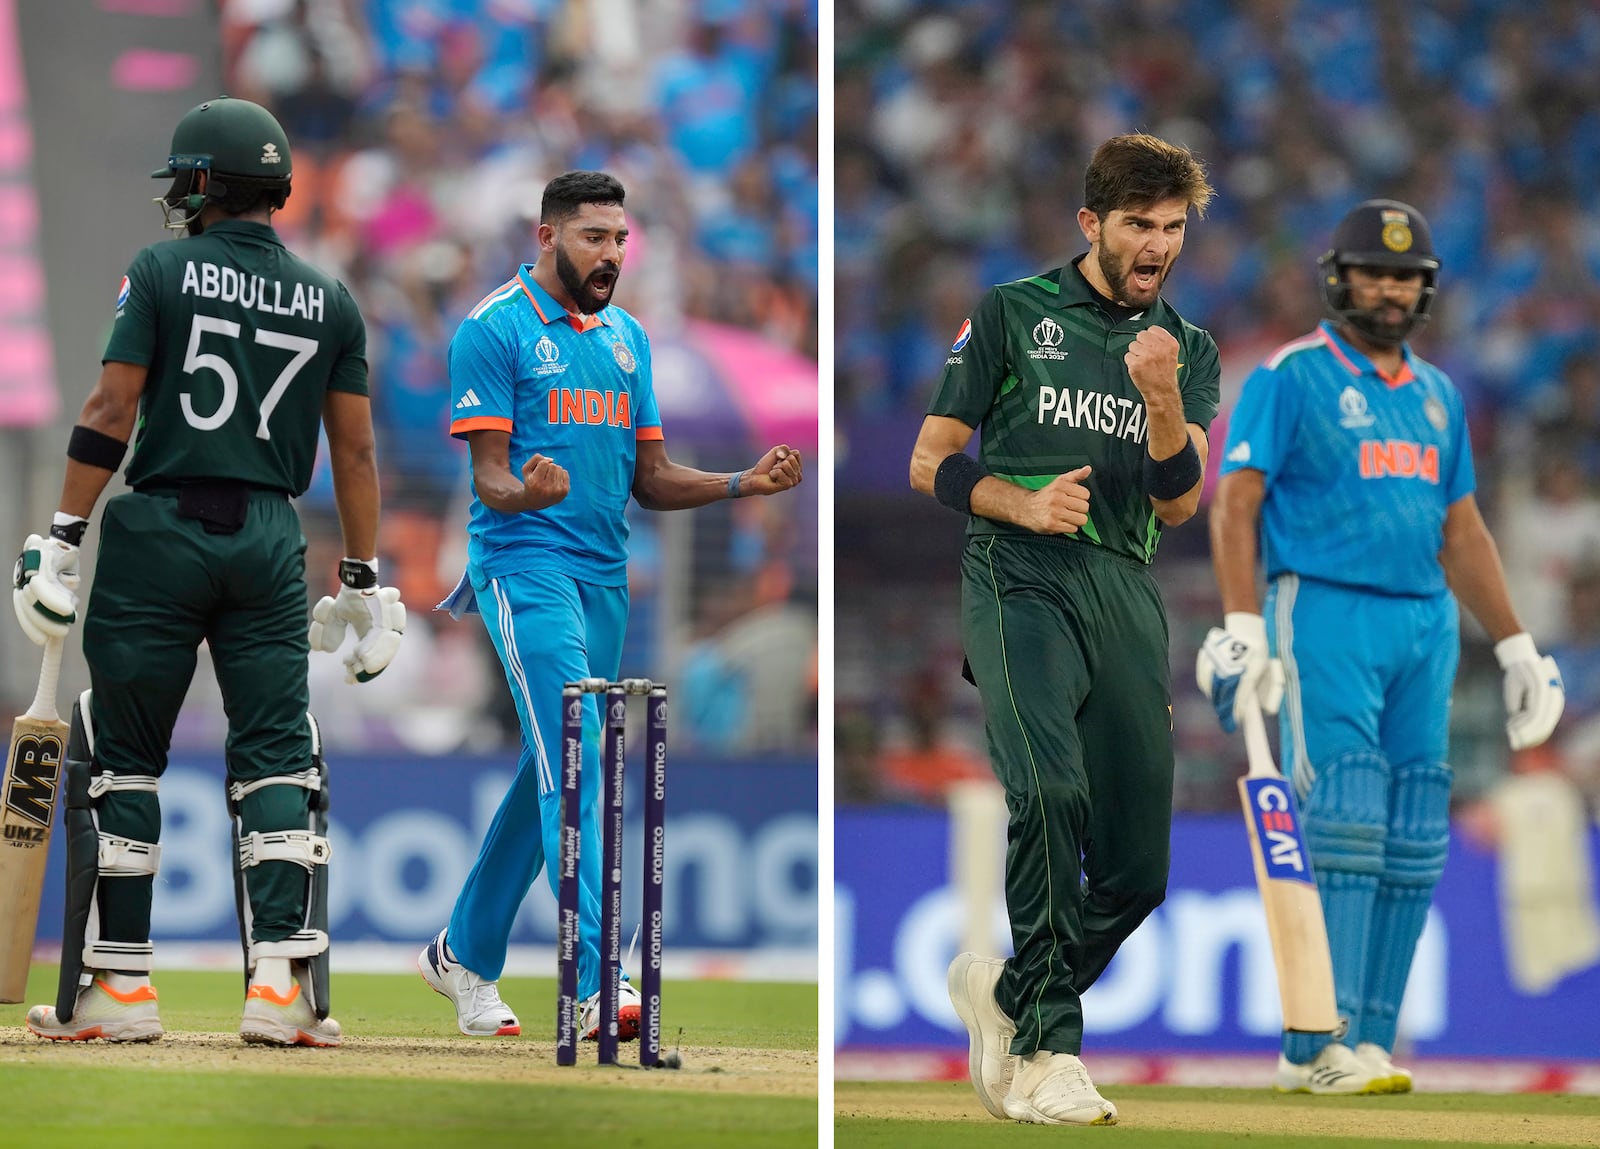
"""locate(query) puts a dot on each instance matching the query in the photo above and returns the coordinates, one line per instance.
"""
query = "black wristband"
(358, 574)
(95, 448)
(953, 481)
(1172, 478)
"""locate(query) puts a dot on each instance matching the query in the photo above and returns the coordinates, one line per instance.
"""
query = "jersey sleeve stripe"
(646, 434)
(1304, 343)
(480, 423)
(503, 291)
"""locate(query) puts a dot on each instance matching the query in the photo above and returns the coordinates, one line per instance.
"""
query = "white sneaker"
(990, 1063)
(628, 1003)
(104, 1013)
(479, 1010)
(1336, 1070)
(275, 1018)
(1376, 1059)
(1054, 1089)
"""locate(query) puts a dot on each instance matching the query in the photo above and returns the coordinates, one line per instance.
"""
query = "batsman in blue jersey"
(551, 387)
(1348, 470)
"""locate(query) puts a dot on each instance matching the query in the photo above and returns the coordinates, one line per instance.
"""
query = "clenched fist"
(1152, 362)
(778, 470)
(544, 483)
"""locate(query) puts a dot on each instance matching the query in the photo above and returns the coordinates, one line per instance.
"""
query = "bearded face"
(589, 248)
(590, 290)
(1382, 303)
(1135, 248)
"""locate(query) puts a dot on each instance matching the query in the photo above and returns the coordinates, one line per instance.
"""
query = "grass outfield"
(948, 1116)
(405, 1077)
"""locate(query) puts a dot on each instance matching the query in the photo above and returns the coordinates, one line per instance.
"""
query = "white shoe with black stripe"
(1336, 1070)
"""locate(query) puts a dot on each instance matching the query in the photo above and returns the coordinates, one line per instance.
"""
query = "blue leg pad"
(1345, 817)
(1418, 842)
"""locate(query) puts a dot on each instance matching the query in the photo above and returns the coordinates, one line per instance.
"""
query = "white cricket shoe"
(1336, 1070)
(628, 1003)
(104, 1013)
(1376, 1059)
(272, 1017)
(990, 1062)
(1054, 1089)
(479, 1010)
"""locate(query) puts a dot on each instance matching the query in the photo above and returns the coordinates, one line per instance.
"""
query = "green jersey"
(1039, 367)
(242, 340)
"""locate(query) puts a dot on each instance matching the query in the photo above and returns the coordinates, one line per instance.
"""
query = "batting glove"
(1535, 696)
(374, 612)
(1233, 667)
(45, 592)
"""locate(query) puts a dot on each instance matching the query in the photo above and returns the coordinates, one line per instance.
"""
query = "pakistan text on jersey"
(570, 405)
(209, 281)
(1093, 410)
(1398, 458)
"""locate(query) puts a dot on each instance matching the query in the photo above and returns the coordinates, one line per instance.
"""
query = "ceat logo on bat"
(1278, 830)
(122, 293)
(963, 335)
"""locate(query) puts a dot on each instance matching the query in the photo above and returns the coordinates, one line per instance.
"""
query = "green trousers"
(1068, 646)
(162, 585)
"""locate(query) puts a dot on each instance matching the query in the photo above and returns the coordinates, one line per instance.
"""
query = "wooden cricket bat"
(1288, 889)
(27, 801)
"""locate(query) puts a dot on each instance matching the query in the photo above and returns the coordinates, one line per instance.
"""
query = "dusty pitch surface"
(1374, 1117)
(782, 1072)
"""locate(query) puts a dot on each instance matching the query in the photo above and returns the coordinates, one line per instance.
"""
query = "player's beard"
(578, 287)
(1377, 324)
(1124, 292)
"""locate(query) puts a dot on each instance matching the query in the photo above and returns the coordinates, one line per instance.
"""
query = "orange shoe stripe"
(133, 996)
(267, 993)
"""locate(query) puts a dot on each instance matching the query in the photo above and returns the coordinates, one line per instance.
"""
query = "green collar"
(244, 227)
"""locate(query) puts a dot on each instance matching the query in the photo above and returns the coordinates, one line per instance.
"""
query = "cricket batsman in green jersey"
(227, 355)
(1094, 397)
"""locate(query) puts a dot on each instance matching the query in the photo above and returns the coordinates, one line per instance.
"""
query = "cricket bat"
(1288, 890)
(27, 801)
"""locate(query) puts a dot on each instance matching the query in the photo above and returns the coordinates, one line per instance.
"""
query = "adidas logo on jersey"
(470, 399)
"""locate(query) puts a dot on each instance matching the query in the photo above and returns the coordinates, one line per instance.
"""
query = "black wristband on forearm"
(95, 449)
(1172, 478)
(954, 480)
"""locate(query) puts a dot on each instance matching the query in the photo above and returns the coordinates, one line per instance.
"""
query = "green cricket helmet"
(238, 144)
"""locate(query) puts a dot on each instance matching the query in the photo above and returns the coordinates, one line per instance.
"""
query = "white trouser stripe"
(1305, 774)
(508, 635)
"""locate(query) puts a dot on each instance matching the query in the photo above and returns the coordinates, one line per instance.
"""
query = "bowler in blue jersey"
(551, 386)
(1348, 476)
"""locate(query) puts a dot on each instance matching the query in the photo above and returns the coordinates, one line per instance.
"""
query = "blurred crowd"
(423, 134)
(960, 164)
